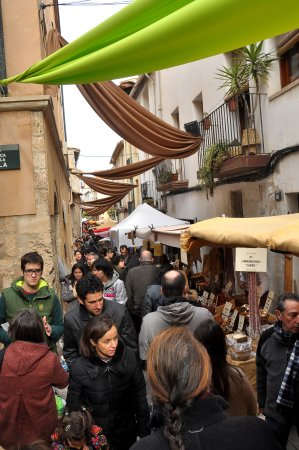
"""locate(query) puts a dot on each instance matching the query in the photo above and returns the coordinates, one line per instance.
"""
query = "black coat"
(114, 392)
(207, 427)
(76, 319)
(137, 282)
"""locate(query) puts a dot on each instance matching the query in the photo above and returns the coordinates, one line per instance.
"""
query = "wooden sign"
(226, 310)
(268, 301)
(204, 299)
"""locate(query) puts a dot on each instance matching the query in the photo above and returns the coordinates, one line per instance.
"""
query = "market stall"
(276, 233)
(145, 218)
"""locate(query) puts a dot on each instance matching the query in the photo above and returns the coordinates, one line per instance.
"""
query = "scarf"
(291, 377)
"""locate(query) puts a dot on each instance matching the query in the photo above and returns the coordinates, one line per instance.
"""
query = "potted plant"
(174, 173)
(213, 157)
(232, 104)
(254, 64)
(163, 176)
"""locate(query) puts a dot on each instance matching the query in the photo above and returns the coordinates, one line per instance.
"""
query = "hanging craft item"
(254, 313)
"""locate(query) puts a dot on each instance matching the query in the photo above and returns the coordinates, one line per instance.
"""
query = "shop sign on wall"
(251, 259)
(10, 157)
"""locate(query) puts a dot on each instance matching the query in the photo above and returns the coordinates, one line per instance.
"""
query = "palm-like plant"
(252, 63)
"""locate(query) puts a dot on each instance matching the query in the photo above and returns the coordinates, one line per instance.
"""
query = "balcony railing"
(237, 124)
(149, 193)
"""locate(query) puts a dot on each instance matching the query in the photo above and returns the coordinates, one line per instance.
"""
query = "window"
(288, 50)
(176, 118)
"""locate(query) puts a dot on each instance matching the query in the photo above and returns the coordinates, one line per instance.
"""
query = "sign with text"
(226, 310)
(251, 259)
(9, 157)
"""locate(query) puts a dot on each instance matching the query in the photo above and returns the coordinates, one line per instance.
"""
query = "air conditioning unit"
(192, 127)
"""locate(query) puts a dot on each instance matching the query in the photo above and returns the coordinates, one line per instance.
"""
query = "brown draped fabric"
(96, 211)
(134, 123)
(104, 201)
(98, 207)
(107, 187)
(121, 173)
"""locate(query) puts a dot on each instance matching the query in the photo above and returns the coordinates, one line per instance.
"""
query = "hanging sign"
(10, 157)
(269, 301)
(226, 310)
(204, 298)
(251, 259)
(241, 323)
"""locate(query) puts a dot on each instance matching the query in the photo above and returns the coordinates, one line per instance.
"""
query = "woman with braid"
(190, 417)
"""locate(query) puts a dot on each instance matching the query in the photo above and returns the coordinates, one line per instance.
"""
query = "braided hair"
(179, 371)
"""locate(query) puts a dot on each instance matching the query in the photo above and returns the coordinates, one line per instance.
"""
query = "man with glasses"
(91, 303)
(32, 291)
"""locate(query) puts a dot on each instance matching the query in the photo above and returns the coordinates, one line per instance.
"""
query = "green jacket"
(44, 302)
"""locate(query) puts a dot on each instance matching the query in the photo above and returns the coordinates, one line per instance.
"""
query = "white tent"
(143, 217)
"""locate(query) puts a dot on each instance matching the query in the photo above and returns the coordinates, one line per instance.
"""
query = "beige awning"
(278, 233)
(166, 235)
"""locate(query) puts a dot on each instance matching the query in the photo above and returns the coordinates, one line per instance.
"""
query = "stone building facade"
(36, 198)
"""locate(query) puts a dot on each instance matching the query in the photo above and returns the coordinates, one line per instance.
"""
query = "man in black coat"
(91, 303)
(137, 281)
(277, 360)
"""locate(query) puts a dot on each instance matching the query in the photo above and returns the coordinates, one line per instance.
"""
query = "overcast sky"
(85, 129)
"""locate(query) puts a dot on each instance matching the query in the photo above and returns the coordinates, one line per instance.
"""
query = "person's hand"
(47, 327)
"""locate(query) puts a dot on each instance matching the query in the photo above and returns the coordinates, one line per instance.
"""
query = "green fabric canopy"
(150, 35)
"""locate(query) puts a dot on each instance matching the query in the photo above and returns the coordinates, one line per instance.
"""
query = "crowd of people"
(143, 366)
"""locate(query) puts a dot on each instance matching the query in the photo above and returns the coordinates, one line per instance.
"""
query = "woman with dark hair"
(107, 379)
(119, 265)
(114, 288)
(68, 287)
(78, 256)
(29, 370)
(228, 381)
(191, 418)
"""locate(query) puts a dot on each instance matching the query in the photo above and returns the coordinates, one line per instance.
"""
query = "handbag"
(67, 294)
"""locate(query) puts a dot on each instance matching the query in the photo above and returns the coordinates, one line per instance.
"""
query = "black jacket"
(137, 282)
(114, 392)
(76, 319)
(272, 356)
(207, 427)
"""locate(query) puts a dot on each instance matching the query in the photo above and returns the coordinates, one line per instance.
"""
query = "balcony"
(236, 127)
(149, 193)
(173, 186)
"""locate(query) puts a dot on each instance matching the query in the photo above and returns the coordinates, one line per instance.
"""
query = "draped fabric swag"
(151, 35)
(103, 201)
(133, 123)
(106, 187)
(121, 173)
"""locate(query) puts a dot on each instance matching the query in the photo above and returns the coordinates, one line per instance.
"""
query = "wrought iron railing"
(237, 124)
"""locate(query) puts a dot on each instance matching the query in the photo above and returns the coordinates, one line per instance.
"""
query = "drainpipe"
(159, 97)
(3, 89)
